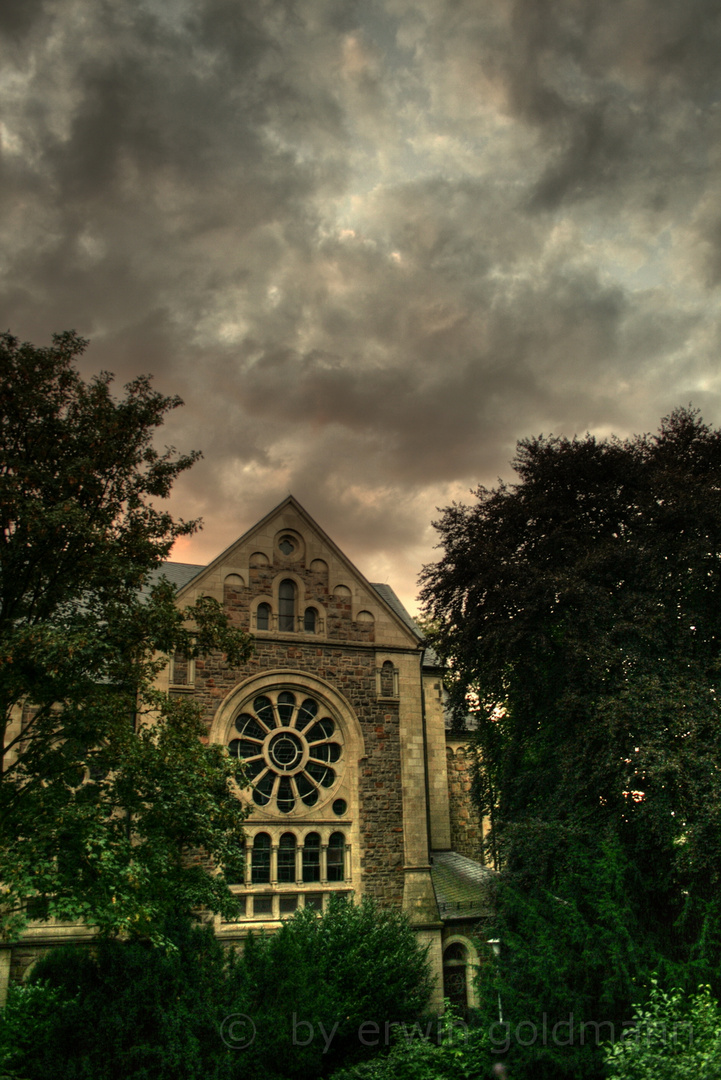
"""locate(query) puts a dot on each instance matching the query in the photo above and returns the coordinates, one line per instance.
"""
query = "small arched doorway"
(455, 975)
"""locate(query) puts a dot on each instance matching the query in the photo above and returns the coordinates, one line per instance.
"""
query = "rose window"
(291, 749)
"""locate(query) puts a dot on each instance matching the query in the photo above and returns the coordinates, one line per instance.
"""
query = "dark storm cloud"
(371, 244)
(18, 16)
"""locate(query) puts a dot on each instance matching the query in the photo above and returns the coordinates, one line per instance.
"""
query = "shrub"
(443, 1048)
(125, 1010)
(321, 990)
(674, 1037)
(133, 1011)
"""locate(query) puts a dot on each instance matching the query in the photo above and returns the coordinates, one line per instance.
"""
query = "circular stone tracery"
(291, 747)
(285, 751)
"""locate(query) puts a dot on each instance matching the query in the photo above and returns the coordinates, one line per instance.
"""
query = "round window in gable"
(287, 545)
(292, 750)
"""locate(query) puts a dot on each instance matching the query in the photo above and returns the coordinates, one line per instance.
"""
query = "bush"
(126, 1010)
(675, 1037)
(321, 990)
(299, 997)
(569, 963)
(440, 1049)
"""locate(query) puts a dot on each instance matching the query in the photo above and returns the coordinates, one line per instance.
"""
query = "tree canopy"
(579, 610)
(107, 795)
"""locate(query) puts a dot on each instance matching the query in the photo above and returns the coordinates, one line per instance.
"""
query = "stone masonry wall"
(350, 666)
(466, 827)
(340, 626)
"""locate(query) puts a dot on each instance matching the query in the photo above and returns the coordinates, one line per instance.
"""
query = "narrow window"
(309, 620)
(336, 857)
(455, 960)
(262, 617)
(286, 606)
(387, 680)
(311, 857)
(260, 863)
(286, 858)
(180, 669)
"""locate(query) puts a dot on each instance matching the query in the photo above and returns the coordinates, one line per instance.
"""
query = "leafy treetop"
(579, 610)
(106, 792)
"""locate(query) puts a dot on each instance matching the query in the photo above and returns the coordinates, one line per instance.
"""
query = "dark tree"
(106, 793)
(580, 612)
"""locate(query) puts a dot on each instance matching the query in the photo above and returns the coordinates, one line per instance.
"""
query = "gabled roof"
(291, 503)
(182, 574)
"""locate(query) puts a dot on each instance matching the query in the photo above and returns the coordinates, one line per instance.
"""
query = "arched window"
(262, 617)
(286, 605)
(309, 620)
(311, 857)
(286, 857)
(387, 679)
(336, 857)
(260, 863)
(455, 960)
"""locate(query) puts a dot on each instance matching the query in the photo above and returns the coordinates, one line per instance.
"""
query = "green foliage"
(580, 613)
(442, 1048)
(126, 1010)
(311, 986)
(580, 610)
(306, 994)
(674, 1037)
(106, 792)
(569, 959)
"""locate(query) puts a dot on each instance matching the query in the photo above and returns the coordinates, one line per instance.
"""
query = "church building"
(338, 714)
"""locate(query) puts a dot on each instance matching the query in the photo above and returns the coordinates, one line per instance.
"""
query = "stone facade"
(467, 830)
(339, 717)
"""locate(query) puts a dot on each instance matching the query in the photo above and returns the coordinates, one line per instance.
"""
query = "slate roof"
(386, 592)
(179, 573)
(462, 886)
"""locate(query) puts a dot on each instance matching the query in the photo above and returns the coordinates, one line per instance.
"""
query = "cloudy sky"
(370, 244)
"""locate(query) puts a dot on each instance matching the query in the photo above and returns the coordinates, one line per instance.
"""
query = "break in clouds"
(370, 244)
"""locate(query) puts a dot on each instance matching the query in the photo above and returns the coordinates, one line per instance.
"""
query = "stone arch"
(460, 961)
(301, 680)
(234, 581)
(258, 602)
